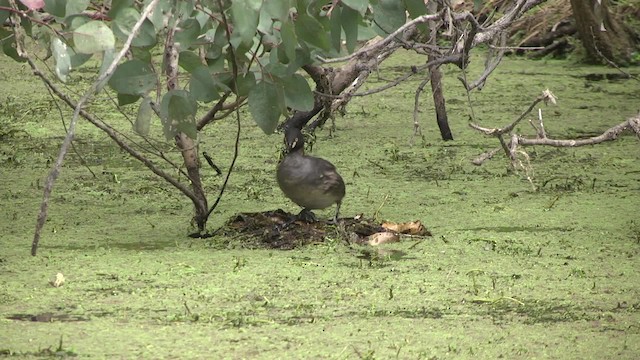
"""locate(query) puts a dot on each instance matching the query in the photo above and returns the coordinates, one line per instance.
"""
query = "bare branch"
(416, 105)
(95, 87)
(378, 45)
(517, 9)
(511, 149)
(546, 96)
(610, 134)
(211, 114)
(490, 64)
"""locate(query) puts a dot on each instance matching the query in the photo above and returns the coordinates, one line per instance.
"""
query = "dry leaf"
(58, 281)
(383, 238)
(411, 227)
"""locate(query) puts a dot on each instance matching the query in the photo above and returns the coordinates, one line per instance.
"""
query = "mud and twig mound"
(281, 230)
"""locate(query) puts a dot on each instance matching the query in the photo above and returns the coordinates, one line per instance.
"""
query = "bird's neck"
(297, 151)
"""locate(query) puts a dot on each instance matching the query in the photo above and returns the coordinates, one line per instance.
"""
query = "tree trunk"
(187, 145)
(189, 151)
(438, 101)
(436, 81)
(603, 36)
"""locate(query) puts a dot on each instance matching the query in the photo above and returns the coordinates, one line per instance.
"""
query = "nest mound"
(281, 230)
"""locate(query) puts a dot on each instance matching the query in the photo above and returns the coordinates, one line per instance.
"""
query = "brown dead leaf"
(411, 227)
(383, 238)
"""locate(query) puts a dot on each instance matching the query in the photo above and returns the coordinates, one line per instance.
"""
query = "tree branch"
(95, 87)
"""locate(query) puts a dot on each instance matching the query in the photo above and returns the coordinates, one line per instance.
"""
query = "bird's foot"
(307, 215)
(333, 221)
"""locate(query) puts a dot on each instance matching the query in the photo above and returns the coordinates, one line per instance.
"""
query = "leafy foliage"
(269, 41)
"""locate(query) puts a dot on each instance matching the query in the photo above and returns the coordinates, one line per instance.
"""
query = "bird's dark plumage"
(310, 182)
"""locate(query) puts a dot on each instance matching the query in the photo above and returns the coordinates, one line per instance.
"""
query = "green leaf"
(28, 27)
(204, 18)
(133, 77)
(9, 45)
(214, 51)
(55, 7)
(75, 21)
(60, 53)
(415, 8)
(184, 8)
(274, 66)
(277, 9)
(4, 14)
(302, 58)
(77, 59)
(289, 39)
(117, 6)
(189, 60)
(142, 125)
(158, 15)
(107, 58)
(281, 99)
(202, 86)
(76, 7)
(265, 23)
(388, 15)
(245, 82)
(124, 23)
(216, 65)
(263, 106)
(177, 111)
(349, 19)
(311, 31)
(297, 93)
(245, 15)
(336, 29)
(358, 5)
(126, 99)
(188, 33)
(142, 53)
(93, 37)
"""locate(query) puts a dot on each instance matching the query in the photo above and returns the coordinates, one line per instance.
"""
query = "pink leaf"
(33, 4)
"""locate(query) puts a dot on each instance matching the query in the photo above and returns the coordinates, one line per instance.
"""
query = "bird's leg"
(335, 217)
(307, 216)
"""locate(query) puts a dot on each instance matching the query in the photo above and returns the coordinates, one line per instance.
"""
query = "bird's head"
(293, 139)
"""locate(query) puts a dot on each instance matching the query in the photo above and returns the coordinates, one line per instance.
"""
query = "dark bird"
(310, 182)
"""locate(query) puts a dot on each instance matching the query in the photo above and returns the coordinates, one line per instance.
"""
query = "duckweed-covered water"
(510, 272)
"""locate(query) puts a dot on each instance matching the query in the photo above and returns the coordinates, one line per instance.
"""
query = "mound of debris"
(281, 230)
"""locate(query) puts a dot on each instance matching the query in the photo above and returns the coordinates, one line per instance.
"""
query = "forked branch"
(511, 147)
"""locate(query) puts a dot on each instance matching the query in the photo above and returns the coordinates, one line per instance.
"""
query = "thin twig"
(95, 87)
(64, 125)
(154, 149)
(610, 62)
(416, 106)
(236, 146)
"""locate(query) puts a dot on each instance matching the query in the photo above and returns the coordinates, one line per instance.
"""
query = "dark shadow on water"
(509, 229)
(47, 317)
(132, 246)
